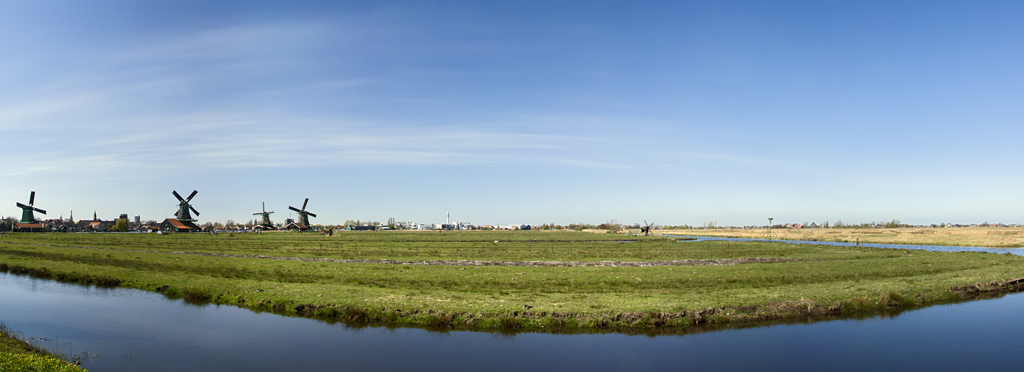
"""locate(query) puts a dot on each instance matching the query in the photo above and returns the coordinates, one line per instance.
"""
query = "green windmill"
(303, 214)
(266, 218)
(27, 215)
(184, 206)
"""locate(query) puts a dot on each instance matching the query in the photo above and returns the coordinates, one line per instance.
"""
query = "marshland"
(992, 237)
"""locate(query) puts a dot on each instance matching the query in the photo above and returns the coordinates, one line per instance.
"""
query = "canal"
(133, 330)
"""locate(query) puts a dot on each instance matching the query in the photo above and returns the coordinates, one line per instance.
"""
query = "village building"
(30, 227)
(296, 226)
(174, 225)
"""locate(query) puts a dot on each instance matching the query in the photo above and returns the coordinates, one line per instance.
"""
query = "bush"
(120, 226)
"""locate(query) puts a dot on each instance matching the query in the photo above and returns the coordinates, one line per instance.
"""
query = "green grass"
(395, 245)
(17, 355)
(825, 280)
(19, 362)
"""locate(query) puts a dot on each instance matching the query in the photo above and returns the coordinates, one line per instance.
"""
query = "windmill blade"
(269, 212)
(32, 198)
(193, 209)
(311, 214)
(177, 196)
(189, 198)
(22, 206)
(39, 210)
(304, 204)
(294, 209)
(257, 213)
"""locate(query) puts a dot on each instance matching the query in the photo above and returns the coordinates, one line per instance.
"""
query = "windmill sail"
(27, 211)
(303, 213)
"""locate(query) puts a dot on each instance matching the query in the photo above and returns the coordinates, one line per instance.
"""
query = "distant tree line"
(839, 224)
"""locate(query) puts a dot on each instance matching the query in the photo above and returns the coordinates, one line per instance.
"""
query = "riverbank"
(991, 237)
(17, 355)
(306, 275)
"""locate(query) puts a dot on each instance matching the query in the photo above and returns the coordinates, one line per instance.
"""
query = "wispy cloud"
(31, 111)
(223, 140)
(57, 164)
(368, 145)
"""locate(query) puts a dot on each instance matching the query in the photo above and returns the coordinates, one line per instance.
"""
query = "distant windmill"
(266, 217)
(646, 228)
(26, 210)
(303, 214)
(184, 206)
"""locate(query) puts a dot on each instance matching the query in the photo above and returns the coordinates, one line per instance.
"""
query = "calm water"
(169, 335)
(937, 248)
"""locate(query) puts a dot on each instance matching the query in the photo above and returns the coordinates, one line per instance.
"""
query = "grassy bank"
(992, 237)
(491, 293)
(18, 355)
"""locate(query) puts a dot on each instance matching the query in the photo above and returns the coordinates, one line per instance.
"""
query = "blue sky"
(516, 111)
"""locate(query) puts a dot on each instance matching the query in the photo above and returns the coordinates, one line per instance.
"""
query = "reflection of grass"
(19, 355)
(826, 280)
(992, 237)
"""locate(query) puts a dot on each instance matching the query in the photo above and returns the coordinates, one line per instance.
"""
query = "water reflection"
(167, 335)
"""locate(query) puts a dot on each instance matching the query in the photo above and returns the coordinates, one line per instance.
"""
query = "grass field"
(266, 272)
(992, 237)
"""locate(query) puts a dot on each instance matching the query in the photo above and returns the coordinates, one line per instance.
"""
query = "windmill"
(646, 228)
(26, 210)
(266, 224)
(182, 221)
(184, 206)
(303, 214)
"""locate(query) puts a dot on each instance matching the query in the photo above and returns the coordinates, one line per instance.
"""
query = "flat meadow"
(514, 281)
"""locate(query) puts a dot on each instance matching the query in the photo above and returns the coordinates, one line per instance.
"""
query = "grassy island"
(516, 281)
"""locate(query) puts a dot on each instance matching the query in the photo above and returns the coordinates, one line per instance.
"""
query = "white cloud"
(31, 111)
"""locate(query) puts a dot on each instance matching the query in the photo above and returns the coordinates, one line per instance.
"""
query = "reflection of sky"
(164, 335)
(526, 112)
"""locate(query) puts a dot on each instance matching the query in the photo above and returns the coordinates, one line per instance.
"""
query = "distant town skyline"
(527, 112)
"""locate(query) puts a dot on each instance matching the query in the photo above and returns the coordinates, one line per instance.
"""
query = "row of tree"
(610, 225)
